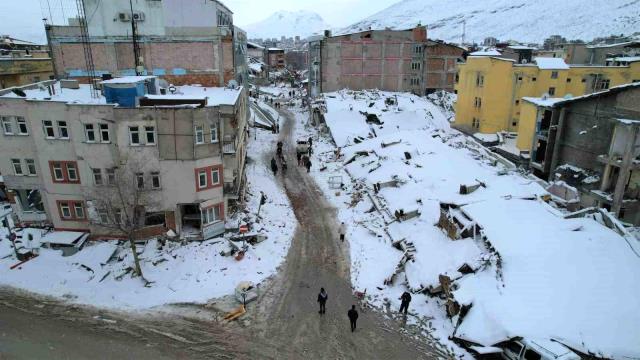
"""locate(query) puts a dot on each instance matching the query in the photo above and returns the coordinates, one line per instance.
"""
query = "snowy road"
(317, 259)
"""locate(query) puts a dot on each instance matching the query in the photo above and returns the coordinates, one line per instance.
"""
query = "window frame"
(63, 127)
(112, 177)
(28, 166)
(153, 134)
(66, 168)
(134, 130)
(98, 179)
(217, 172)
(104, 129)
(554, 74)
(20, 120)
(69, 167)
(214, 131)
(46, 127)
(79, 205)
(140, 181)
(202, 174)
(155, 177)
(7, 122)
(17, 167)
(76, 210)
(198, 134)
(552, 91)
(89, 129)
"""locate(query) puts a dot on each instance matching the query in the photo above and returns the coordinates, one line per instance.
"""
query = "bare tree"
(121, 204)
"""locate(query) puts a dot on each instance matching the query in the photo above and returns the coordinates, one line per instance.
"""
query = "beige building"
(61, 145)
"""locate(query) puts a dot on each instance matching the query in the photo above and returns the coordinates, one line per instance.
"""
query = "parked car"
(302, 146)
(526, 349)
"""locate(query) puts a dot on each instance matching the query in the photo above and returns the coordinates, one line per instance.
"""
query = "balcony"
(229, 147)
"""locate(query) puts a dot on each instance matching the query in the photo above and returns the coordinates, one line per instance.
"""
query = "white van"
(527, 349)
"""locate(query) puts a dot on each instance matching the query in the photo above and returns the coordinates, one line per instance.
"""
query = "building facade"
(490, 90)
(184, 41)
(392, 60)
(23, 62)
(62, 147)
(592, 143)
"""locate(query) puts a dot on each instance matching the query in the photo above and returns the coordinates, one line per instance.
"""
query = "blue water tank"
(124, 92)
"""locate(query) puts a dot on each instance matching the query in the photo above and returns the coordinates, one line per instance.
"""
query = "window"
(103, 216)
(202, 179)
(199, 134)
(215, 176)
(150, 132)
(22, 126)
(478, 102)
(479, 80)
(140, 180)
(97, 176)
(31, 166)
(519, 78)
(417, 49)
(111, 176)
(533, 79)
(415, 81)
(118, 217)
(584, 80)
(134, 135)
(104, 133)
(517, 102)
(72, 172)
(531, 355)
(58, 175)
(568, 80)
(17, 166)
(475, 123)
(457, 78)
(89, 133)
(47, 126)
(514, 347)
(552, 91)
(79, 210)
(212, 214)
(416, 66)
(65, 210)
(602, 84)
(554, 74)
(514, 122)
(6, 125)
(63, 131)
(214, 132)
(155, 180)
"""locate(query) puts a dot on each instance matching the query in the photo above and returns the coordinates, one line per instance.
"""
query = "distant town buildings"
(23, 62)
(393, 60)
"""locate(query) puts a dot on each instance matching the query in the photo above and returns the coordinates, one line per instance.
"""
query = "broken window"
(89, 133)
(134, 135)
(63, 131)
(104, 133)
(22, 126)
(17, 166)
(47, 126)
(150, 132)
(31, 166)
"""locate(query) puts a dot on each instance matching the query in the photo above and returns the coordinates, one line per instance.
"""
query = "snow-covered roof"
(547, 63)
(543, 101)
(128, 79)
(629, 121)
(62, 237)
(275, 49)
(486, 53)
(254, 45)
(82, 95)
(521, 47)
(612, 45)
(625, 59)
(215, 96)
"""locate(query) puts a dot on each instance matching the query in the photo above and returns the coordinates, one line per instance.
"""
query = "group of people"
(352, 314)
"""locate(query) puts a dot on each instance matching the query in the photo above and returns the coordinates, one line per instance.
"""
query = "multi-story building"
(276, 59)
(490, 90)
(61, 146)
(184, 41)
(392, 60)
(591, 142)
(297, 60)
(23, 62)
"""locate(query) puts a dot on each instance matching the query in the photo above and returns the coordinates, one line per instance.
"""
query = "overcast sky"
(23, 18)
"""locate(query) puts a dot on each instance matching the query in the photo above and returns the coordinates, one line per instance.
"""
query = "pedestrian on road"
(310, 141)
(322, 299)
(308, 165)
(274, 166)
(343, 230)
(353, 317)
(278, 127)
(284, 166)
(406, 299)
(299, 155)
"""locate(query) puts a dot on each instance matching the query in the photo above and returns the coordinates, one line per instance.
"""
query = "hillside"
(287, 23)
(522, 20)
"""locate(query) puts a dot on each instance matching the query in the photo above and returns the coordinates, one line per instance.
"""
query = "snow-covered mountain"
(287, 23)
(523, 20)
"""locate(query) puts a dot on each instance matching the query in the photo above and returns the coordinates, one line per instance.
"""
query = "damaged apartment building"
(391, 60)
(184, 41)
(592, 144)
(63, 144)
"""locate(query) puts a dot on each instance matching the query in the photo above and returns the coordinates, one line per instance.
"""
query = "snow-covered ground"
(195, 272)
(536, 274)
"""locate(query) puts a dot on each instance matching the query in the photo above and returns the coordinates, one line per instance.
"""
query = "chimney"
(420, 33)
(327, 33)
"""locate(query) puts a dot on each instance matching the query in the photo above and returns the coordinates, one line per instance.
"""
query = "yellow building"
(490, 91)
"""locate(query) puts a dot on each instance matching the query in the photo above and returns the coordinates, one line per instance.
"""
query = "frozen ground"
(537, 274)
(195, 272)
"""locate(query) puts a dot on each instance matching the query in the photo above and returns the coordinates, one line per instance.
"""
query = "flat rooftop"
(214, 96)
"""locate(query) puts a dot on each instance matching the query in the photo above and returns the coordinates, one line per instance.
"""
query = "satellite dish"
(19, 92)
(172, 89)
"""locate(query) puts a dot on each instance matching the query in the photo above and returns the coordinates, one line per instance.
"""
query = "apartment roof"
(492, 52)
(215, 96)
(551, 102)
(128, 79)
(543, 101)
(626, 43)
(625, 59)
(254, 45)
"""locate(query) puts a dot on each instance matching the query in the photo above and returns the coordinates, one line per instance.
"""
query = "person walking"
(299, 156)
(343, 230)
(406, 299)
(322, 300)
(353, 317)
(308, 165)
(274, 166)
(284, 165)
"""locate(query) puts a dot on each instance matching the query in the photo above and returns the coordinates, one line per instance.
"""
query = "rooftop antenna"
(136, 45)
(86, 45)
(464, 30)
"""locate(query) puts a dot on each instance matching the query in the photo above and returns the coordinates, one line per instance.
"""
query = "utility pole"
(136, 46)
(464, 30)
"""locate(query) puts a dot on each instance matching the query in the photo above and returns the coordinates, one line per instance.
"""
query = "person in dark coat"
(299, 156)
(284, 165)
(274, 166)
(322, 300)
(310, 141)
(353, 317)
(406, 299)
(308, 165)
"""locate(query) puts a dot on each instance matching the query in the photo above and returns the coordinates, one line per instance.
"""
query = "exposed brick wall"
(188, 79)
(170, 220)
